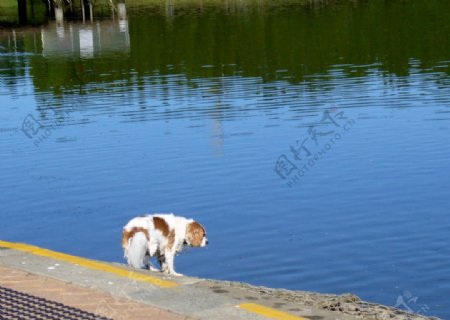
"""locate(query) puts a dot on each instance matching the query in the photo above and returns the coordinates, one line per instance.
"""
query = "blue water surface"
(367, 213)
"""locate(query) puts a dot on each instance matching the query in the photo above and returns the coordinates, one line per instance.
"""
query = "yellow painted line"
(269, 312)
(91, 264)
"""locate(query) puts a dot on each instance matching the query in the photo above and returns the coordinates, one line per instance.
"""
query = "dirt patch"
(345, 303)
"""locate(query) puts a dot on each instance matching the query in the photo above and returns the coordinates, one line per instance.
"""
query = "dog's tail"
(126, 235)
(135, 246)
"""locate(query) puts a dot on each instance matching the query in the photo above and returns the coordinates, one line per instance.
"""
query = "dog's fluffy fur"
(161, 236)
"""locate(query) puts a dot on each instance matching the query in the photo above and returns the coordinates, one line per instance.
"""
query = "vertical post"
(91, 11)
(51, 7)
(121, 10)
(83, 12)
(123, 19)
(59, 16)
(169, 8)
(113, 12)
(15, 41)
(22, 4)
(32, 9)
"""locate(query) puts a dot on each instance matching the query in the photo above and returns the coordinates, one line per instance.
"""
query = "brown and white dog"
(161, 236)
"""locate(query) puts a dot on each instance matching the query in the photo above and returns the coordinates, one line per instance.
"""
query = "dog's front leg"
(162, 263)
(169, 262)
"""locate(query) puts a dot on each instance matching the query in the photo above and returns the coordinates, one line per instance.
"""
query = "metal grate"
(21, 306)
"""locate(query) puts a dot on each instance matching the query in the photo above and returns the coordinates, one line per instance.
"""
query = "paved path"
(90, 300)
(117, 292)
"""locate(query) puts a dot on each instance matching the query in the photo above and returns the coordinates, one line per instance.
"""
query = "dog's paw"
(172, 273)
(175, 274)
(165, 269)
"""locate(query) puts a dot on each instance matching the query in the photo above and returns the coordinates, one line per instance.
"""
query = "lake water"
(312, 141)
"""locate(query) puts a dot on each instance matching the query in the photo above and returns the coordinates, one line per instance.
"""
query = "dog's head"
(196, 235)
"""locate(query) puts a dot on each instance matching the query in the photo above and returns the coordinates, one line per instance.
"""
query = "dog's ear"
(195, 234)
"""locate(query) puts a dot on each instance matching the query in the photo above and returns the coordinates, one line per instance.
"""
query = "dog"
(162, 236)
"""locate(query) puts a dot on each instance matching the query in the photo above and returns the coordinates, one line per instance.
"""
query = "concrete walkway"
(117, 292)
(90, 300)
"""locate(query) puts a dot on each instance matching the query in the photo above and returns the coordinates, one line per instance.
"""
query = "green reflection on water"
(275, 42)
(36, 12)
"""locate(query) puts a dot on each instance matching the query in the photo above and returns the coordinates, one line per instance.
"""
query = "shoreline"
(346, 303)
